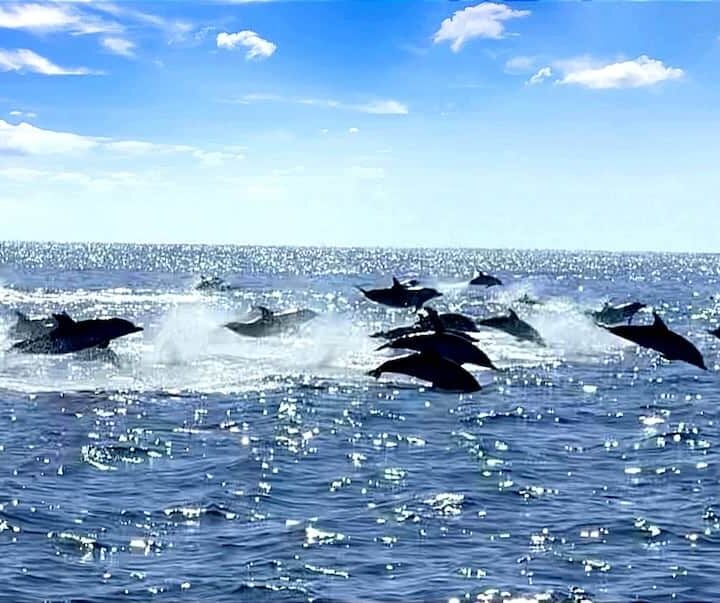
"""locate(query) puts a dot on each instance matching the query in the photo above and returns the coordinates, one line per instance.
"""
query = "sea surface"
(211, 467)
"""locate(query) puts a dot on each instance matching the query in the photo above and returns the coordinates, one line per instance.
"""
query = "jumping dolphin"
(445, 344)
(269, 323)
(658, 337)
(613, 315)
(513, 325)
(440, 372)
(30, 328)
(486, 280)
(74, 336)
(526, 299)
(213, 283)
(716, 332)
(401, 296)
(449, 320)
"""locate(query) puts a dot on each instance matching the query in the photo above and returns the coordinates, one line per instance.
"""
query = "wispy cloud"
(18, 113)
(520, 64)
(99, 182)
(375, 107)
(26, 139)
(257, 47)
(119, 46)
(485, 20)
(54, 17)
(540, 76)
(23, 60)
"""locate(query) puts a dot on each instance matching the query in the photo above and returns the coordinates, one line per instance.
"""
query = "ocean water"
(209, 467)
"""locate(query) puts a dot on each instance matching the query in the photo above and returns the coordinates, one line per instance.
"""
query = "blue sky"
(589, 125)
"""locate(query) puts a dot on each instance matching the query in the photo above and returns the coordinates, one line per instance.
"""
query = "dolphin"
(526, 299)
(486, 280)
(74, 336)
(444, 344)
(457, 323)
(449, 320)
(30, 328)
(213, 283)
(715, 332)
(658, 337)
(613, 315)
(269, 323)
(513, 325)
(441, 373)
(401, 296)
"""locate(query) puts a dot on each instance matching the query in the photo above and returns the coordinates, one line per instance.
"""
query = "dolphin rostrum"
(270, 323)
(513, 325)
(401, 296)
(442, 373)
(658, 337)
(74, 336)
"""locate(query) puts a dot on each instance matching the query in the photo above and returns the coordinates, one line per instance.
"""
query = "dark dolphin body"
(213, 283)
(513, 325)
(658, 337)
(74, 336)
(485, 280)
(716, 332)
(613, 315)
(269, 323)
(440, 372)
(30, 328)
(445, 344)
(449, 320)
(401, 296)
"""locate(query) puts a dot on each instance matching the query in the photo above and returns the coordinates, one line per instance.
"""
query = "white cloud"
(386, 107)
(26, 139)
(47, 17)
(30, 140)
(520, 64)
(541, 75)
(27, 114)
(637, 73)
(257, 47)
(24, 60)
(485, 20)
(377, 107)
(353, 130)
(119, 46)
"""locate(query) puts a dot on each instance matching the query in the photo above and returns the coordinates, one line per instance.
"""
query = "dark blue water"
(213, 468)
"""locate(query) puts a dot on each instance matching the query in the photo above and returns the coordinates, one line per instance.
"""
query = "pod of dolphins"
(440, 344)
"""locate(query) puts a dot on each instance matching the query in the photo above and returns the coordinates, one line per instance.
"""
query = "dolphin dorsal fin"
(63, 321)
(21, 316)
(658, 322)
(396, 283)
(434, 319)
(513, 315)
(264, 312)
